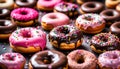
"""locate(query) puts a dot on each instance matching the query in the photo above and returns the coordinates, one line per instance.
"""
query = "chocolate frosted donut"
(91, 7)
(115, 28)
(6, 28)
(25, 3)
(69, 9)
(105, 42)
(110, 16)
(65, 37)
(4, 13)
(48, 59)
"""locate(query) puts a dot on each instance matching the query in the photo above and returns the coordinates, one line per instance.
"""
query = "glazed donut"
(6, 28)
(81, 59)
(104, 42)
(28, 40)
(25, 3)
(118, 8)
(115, 28)
(24, 16)
(4, 13)
(69, 9)
(9, 4)
(111, 3)
(91, 7)
(12, 61)
(47, 5)
(109, 60)
(51, 20)
(110, 16)
(80, 2)
(48, 59)
(65, 37)
(90, 23)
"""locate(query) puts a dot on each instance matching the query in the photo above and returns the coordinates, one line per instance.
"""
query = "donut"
(51, 20)
(115, 28)
(12, 61)
(4, 13)
(69, 9)
(65, 37)
(81, 59)
(28, 40)
(47, 5)
(104, 42)
(118, 8)
(110, 16)
(91, 7)
(24, 16)
(90, 23)
(80, 2)
(6, 28)
(9, 4)
(109, 60)
(48, 59)
(111, 3)
(25, 3)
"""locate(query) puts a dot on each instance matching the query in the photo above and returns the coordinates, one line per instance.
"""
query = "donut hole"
(2, 1)
(65, 30)
(47, 0)
(2, 23)
(53, 17)
(80, 60)
(24, 0)
(91, 5)
(25, 34)
(10, 57)
(47, 59)
(103, 38)
(23, 13)
(109, 14)
(118, 26)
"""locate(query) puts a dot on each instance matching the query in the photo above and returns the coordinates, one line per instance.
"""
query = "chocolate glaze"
(67, 8)
(58, 60)
(110, 15)
(65, 33)
(115, 28)
(105, 41)
(4, 13)
(92, 7)
(7, 26)
(26, 3)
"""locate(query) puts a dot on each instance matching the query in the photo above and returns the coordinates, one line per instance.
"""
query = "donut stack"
(59, 34)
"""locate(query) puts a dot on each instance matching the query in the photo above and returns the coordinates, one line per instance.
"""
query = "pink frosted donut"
(51, 20)
(47, 5)
(109, 60)
(81, 59)
(24, 16)
(12, 61)
(28, 40)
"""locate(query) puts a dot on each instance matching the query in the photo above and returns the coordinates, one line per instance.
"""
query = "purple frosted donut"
(24, 15)
(109, 60)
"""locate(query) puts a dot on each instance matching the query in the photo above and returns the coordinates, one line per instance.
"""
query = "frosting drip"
(28, 37)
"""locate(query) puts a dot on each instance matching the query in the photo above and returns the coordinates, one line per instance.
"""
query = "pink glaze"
(55, 19)
(12, 60)
(29, 36)
(90, 20)
(24, 14)
(48, 3)
(110, 59)
(90, 60)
